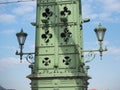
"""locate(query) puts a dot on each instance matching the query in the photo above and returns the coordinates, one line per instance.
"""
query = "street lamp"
(21, 36)
(100, 32)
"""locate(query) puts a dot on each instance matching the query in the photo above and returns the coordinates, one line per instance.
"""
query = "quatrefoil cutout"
(66, 60)
(46, 61)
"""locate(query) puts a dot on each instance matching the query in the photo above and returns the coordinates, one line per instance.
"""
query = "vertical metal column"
(59, 62)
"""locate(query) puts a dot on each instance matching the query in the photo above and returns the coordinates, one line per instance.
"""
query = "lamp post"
(21, 36)
(59, 62)
(100, 32)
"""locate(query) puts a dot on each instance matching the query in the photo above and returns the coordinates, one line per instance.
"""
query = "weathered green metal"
(59, 62)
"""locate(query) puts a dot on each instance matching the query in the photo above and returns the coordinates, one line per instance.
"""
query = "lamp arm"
(94, 50)
(91, 53)
(21, 53)
(24, 53)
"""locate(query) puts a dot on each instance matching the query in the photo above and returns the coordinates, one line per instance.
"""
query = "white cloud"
(107, 5)
(11, 48)
(8, 32)
(6, 63)
(111, 5)
(89, 11)
(23, 10)
(114, 50)
(7, 18)
(10, 62)
(107, 10)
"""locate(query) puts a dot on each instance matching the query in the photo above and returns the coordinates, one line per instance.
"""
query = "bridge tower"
(59, 60)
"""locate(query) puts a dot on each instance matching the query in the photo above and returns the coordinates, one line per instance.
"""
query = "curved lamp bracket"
(30, 58)
(90, 56)
(92, 53)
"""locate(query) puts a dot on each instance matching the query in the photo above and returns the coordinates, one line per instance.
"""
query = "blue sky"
(105, 73)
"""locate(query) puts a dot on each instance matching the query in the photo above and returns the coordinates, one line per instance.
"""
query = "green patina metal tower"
(59, 62)
(59, 55)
